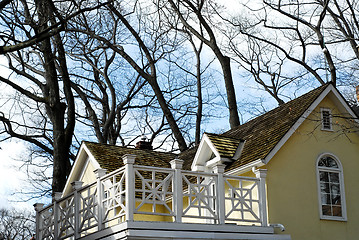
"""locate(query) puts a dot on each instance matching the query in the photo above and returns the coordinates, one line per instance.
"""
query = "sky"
(12, 179)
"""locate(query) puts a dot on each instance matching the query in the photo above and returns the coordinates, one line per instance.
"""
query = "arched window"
(331, 188)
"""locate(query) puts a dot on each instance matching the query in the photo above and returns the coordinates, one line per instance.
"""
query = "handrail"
(215, 198)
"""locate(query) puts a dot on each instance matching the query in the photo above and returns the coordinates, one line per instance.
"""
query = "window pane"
(327, 210)
(324, 176)
(322, 163)
(325, 198)
(324, 188)
(336, 200)
(327, 162)
(334, 177)
(335, 189)
(332, 163)
(329, 183)
(337, 211)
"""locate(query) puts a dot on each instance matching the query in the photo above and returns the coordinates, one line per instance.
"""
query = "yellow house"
(293, 168)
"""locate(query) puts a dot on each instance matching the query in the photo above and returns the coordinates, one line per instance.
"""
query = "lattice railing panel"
(200, 191)
(113, 199)
(46, 223)
(88, 208)
(153, 190)
(242, 199)
(66, 217)
(169, 193)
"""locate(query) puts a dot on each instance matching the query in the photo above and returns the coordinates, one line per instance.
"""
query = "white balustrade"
(169, 193)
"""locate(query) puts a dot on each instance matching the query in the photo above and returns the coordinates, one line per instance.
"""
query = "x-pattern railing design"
(47, 222)
(66, 217)
(200, 190)
(113, 202)
(153, 187)
(243, 199)
(88, 208)
(174, 193)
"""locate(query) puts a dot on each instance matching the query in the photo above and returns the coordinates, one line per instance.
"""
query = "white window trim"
(342, 189)
(330, 119)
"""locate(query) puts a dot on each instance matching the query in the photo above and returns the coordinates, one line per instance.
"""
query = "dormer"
(216, 149)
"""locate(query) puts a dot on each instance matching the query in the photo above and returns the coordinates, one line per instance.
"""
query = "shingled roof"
(225, 146)
(263, 133)
(110, 157)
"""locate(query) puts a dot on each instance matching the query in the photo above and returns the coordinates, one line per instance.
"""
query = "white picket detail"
(170, 193)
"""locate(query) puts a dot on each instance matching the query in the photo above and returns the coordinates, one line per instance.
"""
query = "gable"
(92, 156)
(215, 148)
(263, 133)
(266, 134)
(80, 170)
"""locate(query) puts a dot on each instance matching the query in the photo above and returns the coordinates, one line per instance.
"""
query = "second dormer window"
(326, 118)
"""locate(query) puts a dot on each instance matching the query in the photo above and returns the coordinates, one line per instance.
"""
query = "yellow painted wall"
(292, 182)
(88, 176)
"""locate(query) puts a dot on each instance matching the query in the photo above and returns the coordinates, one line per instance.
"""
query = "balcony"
(141, 202)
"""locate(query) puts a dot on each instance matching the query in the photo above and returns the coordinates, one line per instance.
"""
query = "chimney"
(144, 143)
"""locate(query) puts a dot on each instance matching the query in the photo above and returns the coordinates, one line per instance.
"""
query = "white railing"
(135, 192)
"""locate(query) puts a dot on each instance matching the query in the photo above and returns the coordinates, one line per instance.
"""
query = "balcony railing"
(140, 193)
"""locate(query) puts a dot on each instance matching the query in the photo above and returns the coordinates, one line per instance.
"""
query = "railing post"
(100, 172)
(177, 187)
(129, 160)
(262, 174)
(76, 185)
(55, 198)
(38, 207)
(219, 170)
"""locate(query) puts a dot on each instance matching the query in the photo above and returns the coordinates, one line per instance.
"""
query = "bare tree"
(44, 86)
(194, 14)
(16, 225)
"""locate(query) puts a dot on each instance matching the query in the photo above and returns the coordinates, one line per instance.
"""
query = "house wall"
(292, 182)
(88, 175)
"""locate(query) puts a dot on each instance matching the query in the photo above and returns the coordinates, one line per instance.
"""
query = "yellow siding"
(88, 176)
(292, 183)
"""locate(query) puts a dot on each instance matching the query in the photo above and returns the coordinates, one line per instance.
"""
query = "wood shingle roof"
(226, 146)
(110, 157)
(261, 135)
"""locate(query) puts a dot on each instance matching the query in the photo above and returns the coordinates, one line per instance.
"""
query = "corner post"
(220, 203)
(177, 189)
(262, 174)
(76, 185)
(129, 160)
(38, 207)
(100, 172)
(55, 199)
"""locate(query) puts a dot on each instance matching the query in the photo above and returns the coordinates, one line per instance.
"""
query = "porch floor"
(185, 231)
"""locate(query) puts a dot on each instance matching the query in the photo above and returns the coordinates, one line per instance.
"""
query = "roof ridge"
(222, 136)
